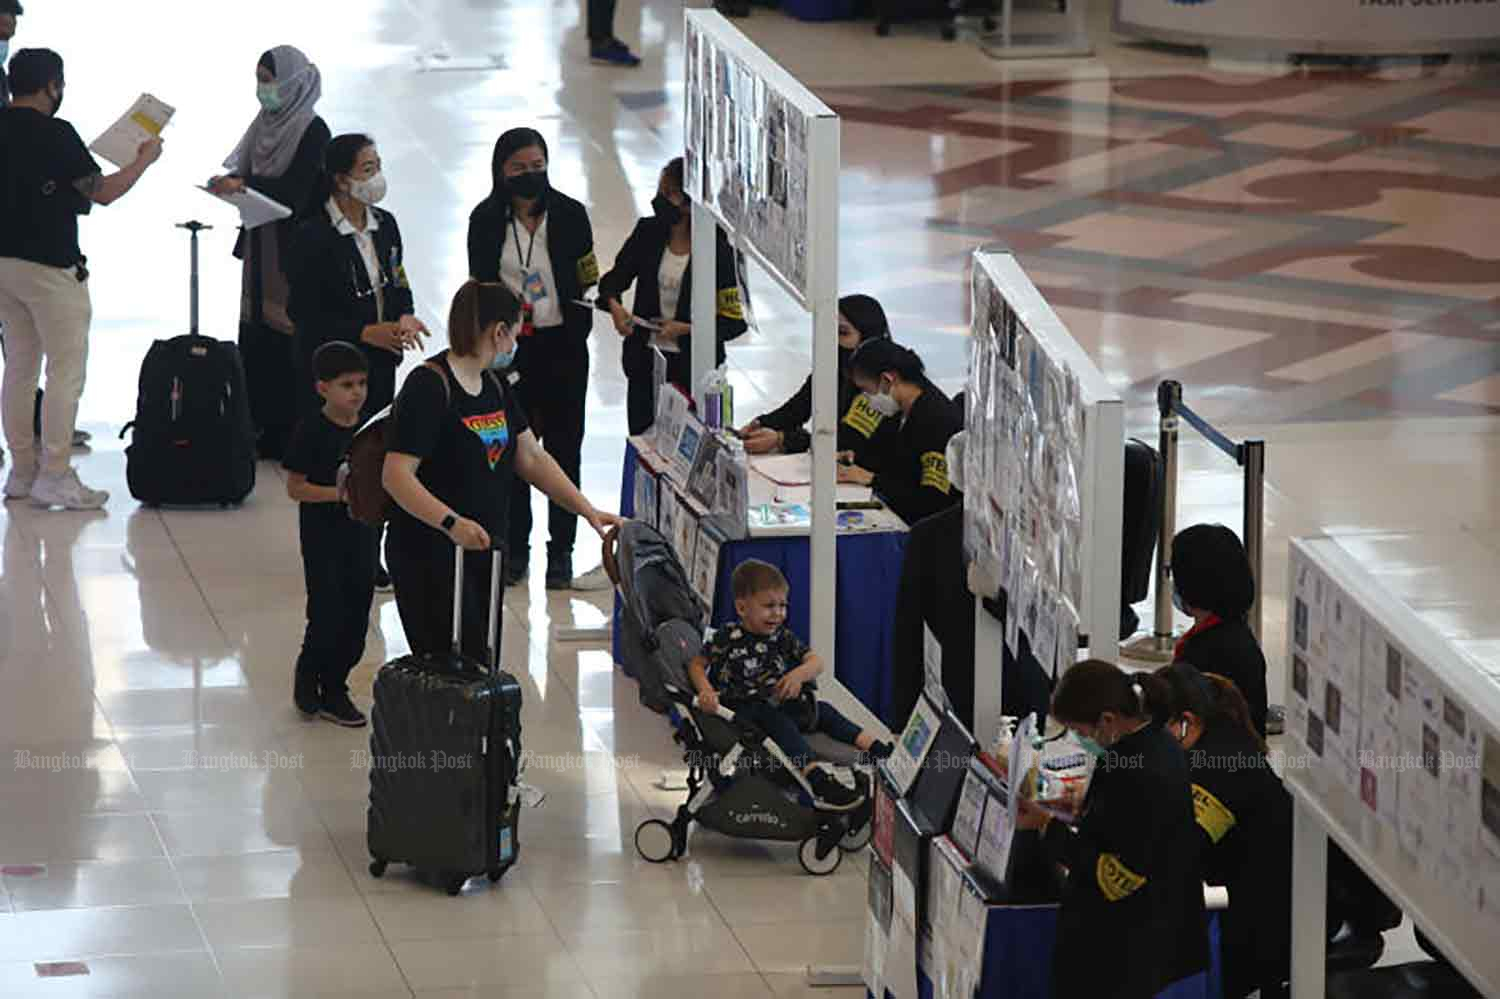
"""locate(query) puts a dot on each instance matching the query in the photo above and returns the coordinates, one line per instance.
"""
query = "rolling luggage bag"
(445, 746)
(192, 442)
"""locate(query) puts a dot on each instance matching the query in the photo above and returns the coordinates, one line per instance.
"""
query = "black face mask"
(668, 213)
(529, 186)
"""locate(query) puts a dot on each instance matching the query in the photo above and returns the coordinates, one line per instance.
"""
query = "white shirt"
(363, 239)
(669, 281)
(522, 246)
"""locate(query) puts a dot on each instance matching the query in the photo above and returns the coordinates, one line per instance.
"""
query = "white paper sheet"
(1341, 692)
(1419, 806)
(255, 208)
(932, 664)
(968, 817)
(785, 469)
(121, 142)
(1380, 723)
(1487, 848)
(1460, 765)
(705, 570)
(915, 742)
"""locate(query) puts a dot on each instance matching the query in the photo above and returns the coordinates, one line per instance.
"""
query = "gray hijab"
(270, 143)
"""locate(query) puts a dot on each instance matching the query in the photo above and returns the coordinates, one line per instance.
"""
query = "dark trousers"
(640, 404)
(421, 566)
(601, 20)
(338, 566)
(271, 380)
(780, 724)
(553, 387)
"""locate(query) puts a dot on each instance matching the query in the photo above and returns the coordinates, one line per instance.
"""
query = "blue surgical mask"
(4, 50)
(502, 361)
(1180, 603)
(1089, 745)
(269, 96)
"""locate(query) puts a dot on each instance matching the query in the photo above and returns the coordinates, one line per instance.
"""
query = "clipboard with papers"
(255, 208)
(144, 120)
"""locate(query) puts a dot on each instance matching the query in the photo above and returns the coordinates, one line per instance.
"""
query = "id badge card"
(533, 288)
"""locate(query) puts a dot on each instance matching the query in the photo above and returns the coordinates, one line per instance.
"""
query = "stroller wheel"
(857, 838)
(655, 841)
(812, 863)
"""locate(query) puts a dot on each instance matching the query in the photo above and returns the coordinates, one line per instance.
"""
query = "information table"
(1395, 753)
(868, 572)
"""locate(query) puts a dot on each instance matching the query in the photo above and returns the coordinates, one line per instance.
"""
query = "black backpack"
(193, 440)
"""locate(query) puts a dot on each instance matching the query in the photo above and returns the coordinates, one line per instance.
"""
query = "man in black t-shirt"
(338, 552)
(47, 180)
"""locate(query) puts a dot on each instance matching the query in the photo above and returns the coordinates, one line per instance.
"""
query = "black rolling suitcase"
(445, 742)
(1139, 529)
(192, 441)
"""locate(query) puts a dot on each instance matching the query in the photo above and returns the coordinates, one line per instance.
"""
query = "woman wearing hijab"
(279, 156)
(540, 244)
(862, 429)
(657, 259)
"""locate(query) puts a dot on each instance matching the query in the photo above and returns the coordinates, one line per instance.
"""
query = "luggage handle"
(492, 632)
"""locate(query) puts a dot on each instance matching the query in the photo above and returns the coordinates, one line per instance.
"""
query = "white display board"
(1044, 467)
(1314, 26)
(762, 161)
(1394, 751)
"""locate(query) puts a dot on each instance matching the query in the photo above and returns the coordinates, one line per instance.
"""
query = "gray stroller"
(739, 782)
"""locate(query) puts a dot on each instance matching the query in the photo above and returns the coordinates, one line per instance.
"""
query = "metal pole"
(1255, 521)
(1168, 396)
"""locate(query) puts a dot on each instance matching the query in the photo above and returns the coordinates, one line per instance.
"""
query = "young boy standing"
(338, 552)
(757, 668)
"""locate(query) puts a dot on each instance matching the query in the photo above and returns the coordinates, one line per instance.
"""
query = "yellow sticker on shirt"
(1212, 815)
(729, 304)
(588, 270)
(863, 417)
(1116, 881)
(935, 471)
(401, 281)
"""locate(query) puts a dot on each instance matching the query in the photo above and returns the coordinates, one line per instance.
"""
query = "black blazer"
(861, 429)
(292, 188)
(331, 297)
(1229, 649)
(639, 263)
(911, 474)
(570, 245)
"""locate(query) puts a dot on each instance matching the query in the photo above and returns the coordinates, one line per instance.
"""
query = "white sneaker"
(65, 490)
(22, 477)
(594, 580)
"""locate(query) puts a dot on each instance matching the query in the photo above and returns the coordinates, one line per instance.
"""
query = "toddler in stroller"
(752, 772)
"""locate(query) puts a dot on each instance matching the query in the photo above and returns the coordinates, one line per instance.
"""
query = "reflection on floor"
(1308, 253)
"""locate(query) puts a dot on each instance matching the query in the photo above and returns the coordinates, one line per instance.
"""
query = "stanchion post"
(1168, 397)
(1254, 455)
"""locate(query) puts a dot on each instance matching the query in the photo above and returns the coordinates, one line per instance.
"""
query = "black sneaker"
(306, 695)
(517, 568)
(382, 580)
(559, 571)
(832, 795)
(341, 711)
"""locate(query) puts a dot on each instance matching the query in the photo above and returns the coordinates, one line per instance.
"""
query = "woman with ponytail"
(540, 244)
(1132, 920)
(1244, 818)
(460, 442)
(911, 470)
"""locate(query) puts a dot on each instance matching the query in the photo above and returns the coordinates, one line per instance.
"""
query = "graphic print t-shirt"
(467, 443)
(745, 667)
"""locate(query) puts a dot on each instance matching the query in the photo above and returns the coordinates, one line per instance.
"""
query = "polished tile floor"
(1311, 253)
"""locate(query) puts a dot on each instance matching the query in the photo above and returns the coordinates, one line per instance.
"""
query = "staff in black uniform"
(657, 259)
(279, 156)
(540, 244)
(862, 429)
(1212, 583)
(348, 273)
(1244, 816)
(911, 473)
(1131, 921)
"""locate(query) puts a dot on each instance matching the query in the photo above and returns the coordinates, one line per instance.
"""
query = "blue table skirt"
(869, 577)
(1018, 959)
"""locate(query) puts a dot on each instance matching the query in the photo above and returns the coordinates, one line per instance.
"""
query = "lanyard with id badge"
(533, 288)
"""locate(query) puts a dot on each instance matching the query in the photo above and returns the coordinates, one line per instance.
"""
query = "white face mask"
(883, 403)
(955, 456)
(370, 191)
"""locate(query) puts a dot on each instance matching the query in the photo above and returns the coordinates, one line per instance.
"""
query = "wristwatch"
(448, 522)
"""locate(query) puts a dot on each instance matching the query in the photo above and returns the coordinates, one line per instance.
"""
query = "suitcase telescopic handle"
(492, 632)
(194, 228)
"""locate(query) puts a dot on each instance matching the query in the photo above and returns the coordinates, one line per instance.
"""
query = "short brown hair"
(477, 306)
(753, 576)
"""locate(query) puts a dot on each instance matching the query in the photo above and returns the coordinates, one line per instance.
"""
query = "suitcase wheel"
(497, 874)
(377, 868)
(453, 884)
